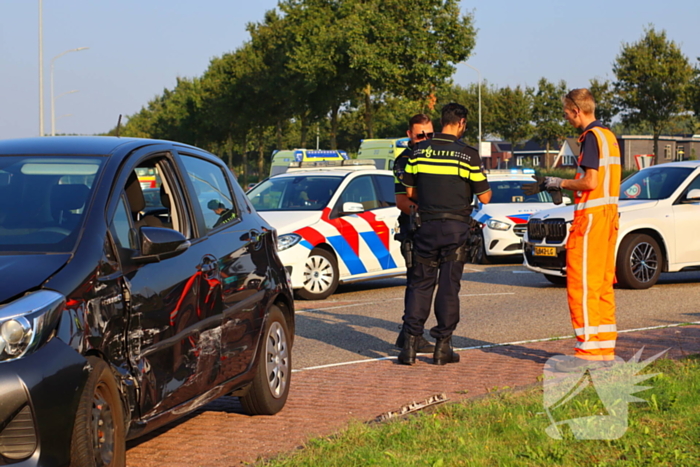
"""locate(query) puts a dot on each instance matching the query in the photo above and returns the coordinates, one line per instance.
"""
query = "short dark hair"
(418, 119)
(452, 113)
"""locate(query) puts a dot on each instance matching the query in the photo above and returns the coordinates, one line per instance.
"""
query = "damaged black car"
(117, 315)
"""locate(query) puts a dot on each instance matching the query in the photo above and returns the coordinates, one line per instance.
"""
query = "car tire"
(270, 388)
(481, 256)
(320, 275)
(639, 262)
(556, 280)
(99, 429)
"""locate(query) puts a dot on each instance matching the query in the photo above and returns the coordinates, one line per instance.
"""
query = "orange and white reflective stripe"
(595, 345)
(594, 203)
(585, 275)
(595, 329)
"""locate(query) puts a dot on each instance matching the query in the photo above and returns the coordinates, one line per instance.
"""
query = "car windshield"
(300, 193)
(511, 191)
(43, 200)
(654, 183)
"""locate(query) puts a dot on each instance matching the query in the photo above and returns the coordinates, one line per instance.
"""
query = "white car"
(335, 224)
(505, 218)
(659, 228)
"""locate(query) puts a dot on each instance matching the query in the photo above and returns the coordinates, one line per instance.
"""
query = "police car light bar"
(335, 163)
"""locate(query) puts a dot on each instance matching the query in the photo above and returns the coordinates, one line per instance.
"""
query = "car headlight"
(287, 241)
(497, 225)
(27, 323)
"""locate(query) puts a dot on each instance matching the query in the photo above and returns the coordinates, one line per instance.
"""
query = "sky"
(138, 48)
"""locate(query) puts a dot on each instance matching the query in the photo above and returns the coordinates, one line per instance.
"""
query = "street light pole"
(479, 74)
(53, 114)
(41, 75)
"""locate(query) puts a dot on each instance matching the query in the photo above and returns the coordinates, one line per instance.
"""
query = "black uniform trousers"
(435, 240)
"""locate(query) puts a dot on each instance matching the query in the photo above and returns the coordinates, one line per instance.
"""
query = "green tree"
(512, 113)
(403, 48)
(652, 82)
(549, 124)
(604, 96)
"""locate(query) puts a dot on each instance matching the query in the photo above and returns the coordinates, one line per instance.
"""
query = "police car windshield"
(654, 183)
(298, 193)
(511, 191)
(43, 201)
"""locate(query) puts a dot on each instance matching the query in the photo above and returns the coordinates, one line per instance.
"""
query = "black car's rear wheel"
(270, 386)
(99, 432)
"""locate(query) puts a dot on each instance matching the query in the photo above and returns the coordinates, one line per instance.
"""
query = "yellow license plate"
(545, 251)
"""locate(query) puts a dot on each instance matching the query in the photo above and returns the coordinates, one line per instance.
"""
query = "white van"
(383, 151)
(282, 159)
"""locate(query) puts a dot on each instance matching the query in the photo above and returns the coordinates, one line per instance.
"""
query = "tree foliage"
(653, 79)
(549, 124)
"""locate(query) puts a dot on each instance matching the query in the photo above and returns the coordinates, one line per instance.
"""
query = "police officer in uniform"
(225, 215)
(419, 128)
(443, 174)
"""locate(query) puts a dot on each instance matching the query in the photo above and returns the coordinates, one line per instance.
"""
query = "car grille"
(520, 229)
(554, 230)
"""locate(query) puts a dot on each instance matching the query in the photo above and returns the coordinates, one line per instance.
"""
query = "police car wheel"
(481, 256)
(320, 275)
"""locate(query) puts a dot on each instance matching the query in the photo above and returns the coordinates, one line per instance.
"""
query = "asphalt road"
(500, 303)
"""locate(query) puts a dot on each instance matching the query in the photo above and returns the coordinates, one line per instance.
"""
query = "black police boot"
(424, 345)
(408, 353)
(443, 352)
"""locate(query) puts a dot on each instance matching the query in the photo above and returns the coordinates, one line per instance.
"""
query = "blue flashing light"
(514, 171)
(402, 143)
(528, 171)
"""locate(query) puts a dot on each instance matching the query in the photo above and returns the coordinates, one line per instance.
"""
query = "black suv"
(116, 317)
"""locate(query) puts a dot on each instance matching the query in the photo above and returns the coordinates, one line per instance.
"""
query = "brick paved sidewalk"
(323, 401)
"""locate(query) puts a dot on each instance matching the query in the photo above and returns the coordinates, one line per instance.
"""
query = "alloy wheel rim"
(102, 427)
(318, 274)
(277, 361)
(644, 262)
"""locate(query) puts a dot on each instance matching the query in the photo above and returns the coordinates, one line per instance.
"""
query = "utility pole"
(41, 75)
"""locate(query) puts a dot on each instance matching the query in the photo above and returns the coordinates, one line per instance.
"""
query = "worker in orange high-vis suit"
(590, 249)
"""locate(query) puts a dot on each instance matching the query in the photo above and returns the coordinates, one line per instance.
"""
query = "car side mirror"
(350, 207)
(567, 200)
(159, 243)
(693, 196)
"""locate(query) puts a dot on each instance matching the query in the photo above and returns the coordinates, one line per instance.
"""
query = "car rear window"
(43, 201)
(299, 193)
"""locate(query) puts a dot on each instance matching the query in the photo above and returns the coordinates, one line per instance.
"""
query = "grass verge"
(508, 429)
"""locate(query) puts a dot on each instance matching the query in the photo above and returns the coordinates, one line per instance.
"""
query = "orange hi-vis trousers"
(590, 272)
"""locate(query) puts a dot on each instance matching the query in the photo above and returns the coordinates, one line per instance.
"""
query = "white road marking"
(523, 272)
(489, 346)
(364, 302)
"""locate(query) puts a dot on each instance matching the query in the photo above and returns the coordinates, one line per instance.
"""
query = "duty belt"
(427, 216)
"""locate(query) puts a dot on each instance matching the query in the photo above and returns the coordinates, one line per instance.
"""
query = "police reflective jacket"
(609, 173)
(447, 174)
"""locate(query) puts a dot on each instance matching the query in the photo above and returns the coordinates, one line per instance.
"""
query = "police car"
(504, 219)
(335, 223)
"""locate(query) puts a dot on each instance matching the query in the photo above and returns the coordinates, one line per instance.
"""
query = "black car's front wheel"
(99, 431)
(270, 388)
(639, 261)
